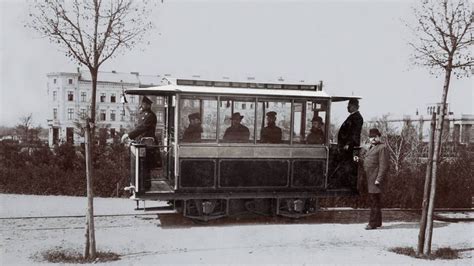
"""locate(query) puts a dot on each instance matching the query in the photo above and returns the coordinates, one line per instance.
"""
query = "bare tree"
(443, 34)
(90, 32)
(23, 128)
(403, 145)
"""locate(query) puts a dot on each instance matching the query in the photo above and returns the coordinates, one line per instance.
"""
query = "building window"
(112, 115)
(70, 96)
(54, 81)
(132, 99)
(70, 113)
(55, 96)
(132, 116)
(112, 98)
(83, 113)
(102, 97)
(159, 117)
(55, 113)
(70, 81)
(83, 96)
(102, 115)
(159, 100)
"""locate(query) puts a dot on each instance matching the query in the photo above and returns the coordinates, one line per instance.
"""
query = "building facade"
(69, 101)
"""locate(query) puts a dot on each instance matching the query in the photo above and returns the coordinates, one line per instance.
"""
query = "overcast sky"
(355, 47)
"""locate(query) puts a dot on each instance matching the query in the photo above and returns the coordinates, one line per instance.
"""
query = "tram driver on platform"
(237, 132)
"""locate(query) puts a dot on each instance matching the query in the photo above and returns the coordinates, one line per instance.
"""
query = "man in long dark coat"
(194, 130)
(237, 132)
(271, 133)
(349, 133)
(348, 138)
(376, 165)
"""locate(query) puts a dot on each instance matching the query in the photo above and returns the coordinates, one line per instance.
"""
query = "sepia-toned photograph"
(236, 132)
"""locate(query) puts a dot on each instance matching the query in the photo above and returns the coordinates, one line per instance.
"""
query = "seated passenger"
(194, 130)
(317, 134)
(237, 132)
(271, 133)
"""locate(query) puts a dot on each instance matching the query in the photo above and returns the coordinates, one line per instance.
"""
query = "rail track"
(332, 215)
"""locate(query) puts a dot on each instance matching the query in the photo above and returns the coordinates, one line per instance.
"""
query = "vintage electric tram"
(212, 177)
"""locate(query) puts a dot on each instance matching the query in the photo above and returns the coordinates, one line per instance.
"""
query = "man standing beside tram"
(348, 139)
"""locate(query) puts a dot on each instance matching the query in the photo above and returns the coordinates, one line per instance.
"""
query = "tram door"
(169, 139)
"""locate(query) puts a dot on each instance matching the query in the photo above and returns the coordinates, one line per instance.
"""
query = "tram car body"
(211, 176)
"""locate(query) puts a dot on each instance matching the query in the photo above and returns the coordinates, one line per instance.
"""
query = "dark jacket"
(376, 163)
(239, 133)
(349, 133)
(316, 136)
(271, 134)
(192, 133)
(145, 127)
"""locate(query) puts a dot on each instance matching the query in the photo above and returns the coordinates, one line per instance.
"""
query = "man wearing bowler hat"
(146, 123)
(375, 161)
(194, 130)
(271, 133)
(237, 132)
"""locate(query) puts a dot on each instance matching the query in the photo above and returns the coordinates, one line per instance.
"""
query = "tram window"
(198, 120)
(280, 113)
(242, 109)
(315, 122)
(309, 122)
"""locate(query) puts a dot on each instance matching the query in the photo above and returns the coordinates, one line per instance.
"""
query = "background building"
(69, 99)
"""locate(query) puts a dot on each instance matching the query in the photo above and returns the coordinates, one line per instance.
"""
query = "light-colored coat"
(376, 163)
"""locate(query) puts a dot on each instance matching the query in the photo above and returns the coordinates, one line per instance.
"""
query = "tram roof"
(180, 89)
(240, 89)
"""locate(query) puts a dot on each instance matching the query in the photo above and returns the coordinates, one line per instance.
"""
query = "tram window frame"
(261, 118)
(222, 126)
(183, 120)
(306, 124)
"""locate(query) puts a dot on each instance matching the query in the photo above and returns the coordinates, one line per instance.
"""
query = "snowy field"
(142, 240)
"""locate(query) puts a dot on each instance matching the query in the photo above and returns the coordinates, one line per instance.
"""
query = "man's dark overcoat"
(192, 133)
(145, 127)
(349, 133)
(271, 134)
(238, 133)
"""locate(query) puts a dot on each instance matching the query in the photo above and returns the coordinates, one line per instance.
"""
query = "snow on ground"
(141, 240)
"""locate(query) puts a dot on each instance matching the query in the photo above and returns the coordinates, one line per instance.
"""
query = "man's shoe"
(369, 227)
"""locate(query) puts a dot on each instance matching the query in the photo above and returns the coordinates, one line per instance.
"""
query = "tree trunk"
(436, 156)
(90, 196)
(426, 193)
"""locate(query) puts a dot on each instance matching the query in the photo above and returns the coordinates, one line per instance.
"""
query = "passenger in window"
(271, 133)
(316, 136)
(194, 130)
(237, 132)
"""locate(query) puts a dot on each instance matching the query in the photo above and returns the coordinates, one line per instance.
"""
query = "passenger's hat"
(354, 102)
(146, 100)
(271, 114)
(236, 116)
(317, 119)
(194, 116)
(373, 132)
